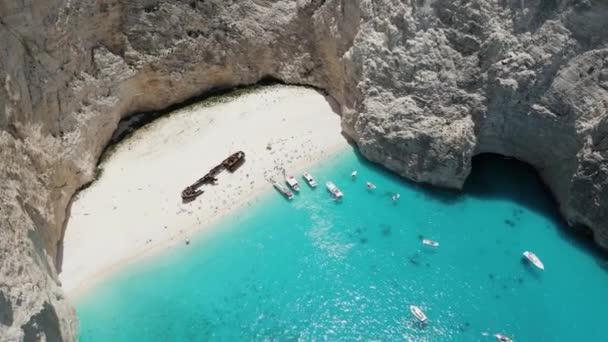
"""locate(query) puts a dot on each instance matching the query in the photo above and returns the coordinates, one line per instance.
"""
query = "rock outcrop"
(424, 86)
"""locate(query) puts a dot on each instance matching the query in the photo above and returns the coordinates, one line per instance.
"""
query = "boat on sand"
(535, 260)
(310, 180)
(333, 189)
(283, 190)
(417, 312)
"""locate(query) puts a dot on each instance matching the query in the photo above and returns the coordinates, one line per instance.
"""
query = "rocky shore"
(422, 86)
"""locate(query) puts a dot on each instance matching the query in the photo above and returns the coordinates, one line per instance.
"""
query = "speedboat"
(417, 312)
(283, 190)
(534, 260)
(430, 243)
(293, 183)
(396, 197)
(311, 181)
(354, 174)
(503, 338)
(334, 190)
(370, 185)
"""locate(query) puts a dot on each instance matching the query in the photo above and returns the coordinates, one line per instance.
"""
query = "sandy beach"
(135, 207)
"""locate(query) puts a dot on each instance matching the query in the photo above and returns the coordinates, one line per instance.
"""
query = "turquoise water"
(316, 269)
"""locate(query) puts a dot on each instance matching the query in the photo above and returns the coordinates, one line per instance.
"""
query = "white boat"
(311, 181)
(417, 312)
(293, 183)
(503, 338)
(334, 190)
(396, 197)
(430, 243)
(534, 260)
(354, 174)
(370, 185)
(283, 190)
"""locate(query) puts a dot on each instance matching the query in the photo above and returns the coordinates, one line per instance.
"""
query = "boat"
(190, 193)
(353, 174)
(311, 181)
(503, 338)
(396, 197)
(293, 183)
(534, 260)
(334, 190)
(370, 185)
(417, 312)
(234, 161)
(283, 190)
(430, 243)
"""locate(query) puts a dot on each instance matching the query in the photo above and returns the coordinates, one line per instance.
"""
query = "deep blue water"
(316, 269)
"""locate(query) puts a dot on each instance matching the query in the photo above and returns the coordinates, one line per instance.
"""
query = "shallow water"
(318, 269)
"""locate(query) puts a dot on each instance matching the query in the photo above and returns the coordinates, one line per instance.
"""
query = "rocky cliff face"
(424, 86)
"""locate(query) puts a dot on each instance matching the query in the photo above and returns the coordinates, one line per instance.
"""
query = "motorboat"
(334, 190)
(370, 185)
(534, 260)
(396, 197)
(311, 181)
(430, 243)
(417, 312)
(503, 338)
(353, 174)
(293, 183)
(283, 190)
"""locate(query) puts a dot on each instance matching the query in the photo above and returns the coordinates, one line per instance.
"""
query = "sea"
(317, 269)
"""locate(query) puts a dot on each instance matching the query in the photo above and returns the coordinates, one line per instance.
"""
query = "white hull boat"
(430, 243)
(310, 180)
(503, 338)
(534, 260)
(293, 183)
(353, 174)
(283, 190)
(370, 185)
(396, 197)
(417, 312)
(333, 189)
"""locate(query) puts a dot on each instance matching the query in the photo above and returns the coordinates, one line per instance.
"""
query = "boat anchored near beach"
(418, 313)
(283, 190)
(293, 183)
(333, 189)
(535, 260)
(310, 180)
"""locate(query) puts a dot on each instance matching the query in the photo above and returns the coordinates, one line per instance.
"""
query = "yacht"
(283, 190)
(430, 243)
(534, 260)
(417, 312)
(311, 181)
(334, 190)
(503, 338)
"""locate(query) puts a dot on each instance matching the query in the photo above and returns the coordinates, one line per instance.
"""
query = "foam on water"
(316, 269)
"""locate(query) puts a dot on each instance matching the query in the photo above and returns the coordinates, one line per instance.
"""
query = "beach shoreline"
(134, 210)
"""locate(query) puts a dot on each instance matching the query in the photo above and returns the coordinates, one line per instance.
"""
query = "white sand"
(135, 207)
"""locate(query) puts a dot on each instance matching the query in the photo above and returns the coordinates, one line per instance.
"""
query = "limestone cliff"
(424, 86)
